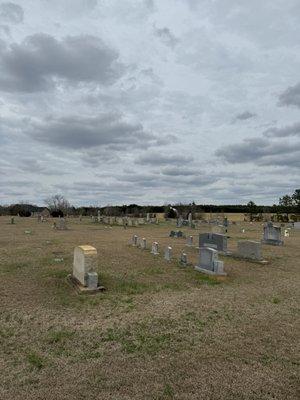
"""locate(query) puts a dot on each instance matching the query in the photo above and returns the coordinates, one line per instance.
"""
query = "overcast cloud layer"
(149, 101)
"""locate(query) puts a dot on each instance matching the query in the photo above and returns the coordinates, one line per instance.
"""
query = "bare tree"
(57, 203)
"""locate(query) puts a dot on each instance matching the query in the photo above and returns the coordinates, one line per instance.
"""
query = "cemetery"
(111, 304)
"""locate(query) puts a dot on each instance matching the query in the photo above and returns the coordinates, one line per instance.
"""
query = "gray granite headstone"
(209, 262)
(249, 249)
(134, 240)
(143, 244)
(272, 235)
(154, 249)
(183, 259)
(168, 253)
(189, 241)
(215, 241)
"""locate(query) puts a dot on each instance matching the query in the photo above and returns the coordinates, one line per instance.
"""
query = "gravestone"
(12, 220)
(179, 222)
(143, 244)
(218, 229)
(168, 253)
(209, 262)
(190, 241)
(249, 249)
(84, 266)
(154, 249)
(190, 219)
(286, 233)
(176, 234)
(183, 259)
(297, 225)
(272, 235)
(215, 241)
(62, 226)
(225, 224)
(134, 240)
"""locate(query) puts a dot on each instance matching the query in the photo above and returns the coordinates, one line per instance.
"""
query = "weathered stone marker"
(249, 249)
(154, 249)
(176, 234)
(62, 225)
(190, 219)
(190, 241)
(134, 240)
(183, 259)
(168, 253)
(143, 244)
(84, 266)
(272, 235)
(209, 262)
(215, 241)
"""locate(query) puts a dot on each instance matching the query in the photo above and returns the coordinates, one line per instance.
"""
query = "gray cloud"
(5, 29)
(166, 36)
(84, 132)
(291, 130)
(262, 150)
(291, 96)
(11, 12)
(291, 160)
(40, 60)
(244, 116)
(162, 159)
(172, 181)
(178, 171)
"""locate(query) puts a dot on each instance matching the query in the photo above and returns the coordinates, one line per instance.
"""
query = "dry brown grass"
(160, 331)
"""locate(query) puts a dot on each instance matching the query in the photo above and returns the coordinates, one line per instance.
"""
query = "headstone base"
(80, 289)
(253, 260)
(208, 272)
(272, 242)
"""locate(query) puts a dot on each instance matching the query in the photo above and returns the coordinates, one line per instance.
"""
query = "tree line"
(58, 205)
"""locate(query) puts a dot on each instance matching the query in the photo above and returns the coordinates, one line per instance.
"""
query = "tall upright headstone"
(168, 253)
(154, 249)
(134, 240)
(183, 259)
(84, 266)
(143, 244)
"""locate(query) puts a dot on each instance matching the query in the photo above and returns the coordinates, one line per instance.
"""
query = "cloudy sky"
(149, 101)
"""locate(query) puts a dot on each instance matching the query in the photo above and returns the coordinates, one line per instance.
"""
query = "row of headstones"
(85, 257)
(123, 221)
(142, 244)
(208, 257)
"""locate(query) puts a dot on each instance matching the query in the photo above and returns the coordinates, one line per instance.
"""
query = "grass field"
(160, 331)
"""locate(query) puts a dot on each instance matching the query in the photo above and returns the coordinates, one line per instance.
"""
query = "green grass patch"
(60, 336)
(205, 279)
(57, 273)
(15, 268)
(35, 360)
(142, 338)
(275, 300)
